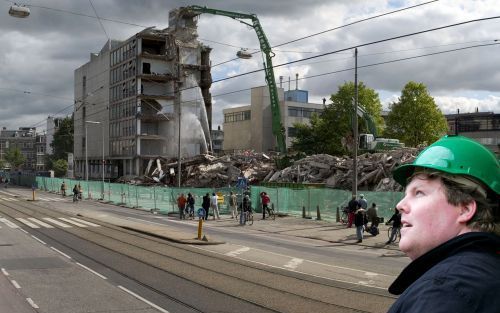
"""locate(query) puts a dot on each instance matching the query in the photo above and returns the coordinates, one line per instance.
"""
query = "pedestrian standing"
(359, 222)
(232, 205)
(63, 189)
(215, 205)
(190, 205)
(352, 207)
(362, 202)
(265, 204)
(181, 204)
(372, 216)
(451, 229)
(80, 191)
(205, 204)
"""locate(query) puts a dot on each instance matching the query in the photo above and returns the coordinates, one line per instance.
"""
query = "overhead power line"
(363, 45)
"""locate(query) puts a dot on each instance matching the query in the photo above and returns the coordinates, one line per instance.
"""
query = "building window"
(237, 116)
(302, 112)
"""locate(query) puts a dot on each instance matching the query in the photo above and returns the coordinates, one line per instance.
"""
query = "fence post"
(318, 213)
(136, 197)
(154, 196)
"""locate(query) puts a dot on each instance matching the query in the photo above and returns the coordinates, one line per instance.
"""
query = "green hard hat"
(456, 155)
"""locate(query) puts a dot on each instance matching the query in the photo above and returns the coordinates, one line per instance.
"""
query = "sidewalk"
(292, 226)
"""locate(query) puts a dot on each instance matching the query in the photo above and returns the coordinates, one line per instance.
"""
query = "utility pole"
(355, 127)
(179, 117)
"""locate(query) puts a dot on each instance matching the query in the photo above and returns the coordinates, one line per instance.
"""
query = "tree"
(15, 158)
(63, 140)
(415, 119)
(332, 131)
(60, 167)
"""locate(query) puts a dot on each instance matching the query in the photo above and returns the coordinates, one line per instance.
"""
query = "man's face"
(428, 220)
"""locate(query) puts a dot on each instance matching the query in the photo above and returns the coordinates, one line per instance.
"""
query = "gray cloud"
(41, 52)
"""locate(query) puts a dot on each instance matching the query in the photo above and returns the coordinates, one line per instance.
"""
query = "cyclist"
(246, 207)
(75, 193)
(396, 225)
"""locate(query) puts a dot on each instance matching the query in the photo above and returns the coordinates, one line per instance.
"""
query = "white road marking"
(28, 223)
(9, 194)
(238, 251)
(308, 274)
(39, 240)
(60, 252)
(40, 222)
(85, 222)
(8, 223)
(15, 284)
(143, 300)
(56, 222)
(294, 263)
(67, 220)
(5, 272)
(23, 231)
(92, 271)
(32, 303)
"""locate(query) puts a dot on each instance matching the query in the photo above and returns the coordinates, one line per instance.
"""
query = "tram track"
(138, 247)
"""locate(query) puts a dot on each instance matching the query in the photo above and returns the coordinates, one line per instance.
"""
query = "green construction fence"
(288, 201)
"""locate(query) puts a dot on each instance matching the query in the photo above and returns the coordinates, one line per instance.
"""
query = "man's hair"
(487, 216)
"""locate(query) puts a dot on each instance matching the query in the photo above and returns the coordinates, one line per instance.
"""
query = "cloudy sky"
(39, 54)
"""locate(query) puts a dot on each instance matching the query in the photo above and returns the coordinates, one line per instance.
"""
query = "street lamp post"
(87, 158)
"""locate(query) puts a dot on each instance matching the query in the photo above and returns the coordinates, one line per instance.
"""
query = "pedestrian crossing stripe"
(10, 199)
(48, 222)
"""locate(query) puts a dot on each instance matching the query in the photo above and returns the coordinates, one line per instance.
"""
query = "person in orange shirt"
(181, 204)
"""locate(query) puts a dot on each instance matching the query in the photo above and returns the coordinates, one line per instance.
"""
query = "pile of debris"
(374, 170)
(206, 171)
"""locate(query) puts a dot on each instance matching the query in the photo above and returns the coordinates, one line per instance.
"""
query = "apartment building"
(136, 98)
(31, 145)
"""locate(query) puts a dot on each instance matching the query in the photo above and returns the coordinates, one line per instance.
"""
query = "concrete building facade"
(250, 127)
(481, 126)
(146, 92)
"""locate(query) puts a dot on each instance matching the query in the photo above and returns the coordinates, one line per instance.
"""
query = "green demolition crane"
(265, 47)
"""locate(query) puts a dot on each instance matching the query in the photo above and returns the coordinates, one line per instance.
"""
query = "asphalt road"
(252, 272)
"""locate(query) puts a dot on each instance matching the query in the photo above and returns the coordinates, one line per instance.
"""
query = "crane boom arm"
(278, 129)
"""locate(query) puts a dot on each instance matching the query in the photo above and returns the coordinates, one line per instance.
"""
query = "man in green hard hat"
(450, 229)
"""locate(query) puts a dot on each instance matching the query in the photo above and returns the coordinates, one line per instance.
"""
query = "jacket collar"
(487, 242)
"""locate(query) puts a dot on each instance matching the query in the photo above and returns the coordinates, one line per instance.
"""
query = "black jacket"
(396, 220)
(460, 276)
(206, 202)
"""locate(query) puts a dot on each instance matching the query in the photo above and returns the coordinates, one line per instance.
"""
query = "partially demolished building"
(147, 93)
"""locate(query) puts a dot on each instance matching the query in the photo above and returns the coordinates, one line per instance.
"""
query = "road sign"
(201, 212)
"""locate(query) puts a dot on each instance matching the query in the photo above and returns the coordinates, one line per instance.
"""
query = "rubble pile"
(374, 170)
(207, 171)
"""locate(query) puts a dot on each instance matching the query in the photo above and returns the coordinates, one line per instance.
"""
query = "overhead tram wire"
(339, 27)
(371, 65)
(363, 45)
(339, 71)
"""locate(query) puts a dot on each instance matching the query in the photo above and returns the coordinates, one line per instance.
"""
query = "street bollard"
(337, 217)
(303, 212)
(200, 227)
(318, 213)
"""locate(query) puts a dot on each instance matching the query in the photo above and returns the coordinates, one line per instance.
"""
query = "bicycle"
(249, 217)
(397, 237)
(271, 214)
(344, 218)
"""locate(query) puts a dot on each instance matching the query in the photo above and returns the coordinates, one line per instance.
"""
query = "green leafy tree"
(63, 140)
(331, 132)
(60, 167)
(415, 119)
(15, 158)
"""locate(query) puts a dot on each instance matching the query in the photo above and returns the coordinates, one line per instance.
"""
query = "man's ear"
(467, 211)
